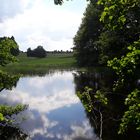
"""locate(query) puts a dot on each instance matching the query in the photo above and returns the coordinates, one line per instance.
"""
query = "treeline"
(40, 52)
(95, 44)
(60, 51)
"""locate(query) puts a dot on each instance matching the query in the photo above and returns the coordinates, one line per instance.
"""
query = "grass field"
(29, 65)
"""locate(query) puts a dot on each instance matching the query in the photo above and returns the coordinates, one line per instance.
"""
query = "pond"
(54, 110)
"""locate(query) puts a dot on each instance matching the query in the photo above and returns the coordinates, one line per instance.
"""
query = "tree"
(58, 1)
(39, 52)
(124, 16)
(6, 44)
(15, 51)
(111, 44)
(86, 52)
(6, 80)
(29, 52)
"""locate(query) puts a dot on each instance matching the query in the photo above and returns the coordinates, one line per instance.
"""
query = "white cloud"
(10, 8)
(43, 104)
(81, 132)
(42, 128)
(49, 80)
(41, 23)
(38, 122)
(44, 94)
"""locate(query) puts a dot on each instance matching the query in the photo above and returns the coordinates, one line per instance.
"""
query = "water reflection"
(112, 113)
(96, 78)
(55, 112)
(11, 133)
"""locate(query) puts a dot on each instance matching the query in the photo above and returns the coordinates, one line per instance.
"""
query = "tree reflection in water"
(104, 118)
(8, 130)
(11, 133)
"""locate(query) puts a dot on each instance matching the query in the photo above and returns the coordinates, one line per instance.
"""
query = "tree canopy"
(86, 51)
(6, 45)
(39, 52)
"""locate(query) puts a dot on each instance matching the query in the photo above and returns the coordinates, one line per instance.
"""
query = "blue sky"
(40, 22)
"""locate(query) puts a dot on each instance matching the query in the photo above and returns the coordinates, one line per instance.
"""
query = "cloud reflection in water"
(55, 112)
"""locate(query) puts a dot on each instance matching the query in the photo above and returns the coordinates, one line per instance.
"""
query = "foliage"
(99, 95)
(37, 52)
(123, 15)
(86, 52)
(126, 66)
(86, 99)
(6, 112)
(6, 80)
(95, 44)
(1, 117)
(12, 133)
(93, 103)
(9, 110)
(110, 44)
(91, 99)
(132, 116)
(15, 51)
(119, 14)
(6, 44)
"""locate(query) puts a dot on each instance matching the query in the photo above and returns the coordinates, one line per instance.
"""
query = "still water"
(54, 111)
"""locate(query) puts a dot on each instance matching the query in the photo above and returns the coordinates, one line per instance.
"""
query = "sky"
(40, 22)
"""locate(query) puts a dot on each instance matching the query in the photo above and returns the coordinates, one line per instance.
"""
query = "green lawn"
(29, 65)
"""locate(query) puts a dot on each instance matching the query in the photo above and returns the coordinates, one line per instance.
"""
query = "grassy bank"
(28, 65)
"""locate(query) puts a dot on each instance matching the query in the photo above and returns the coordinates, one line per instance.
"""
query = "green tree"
(39, 52)
(111, 44)
(29, 52)
(6, 80)
(86, 52)
(124, 15)
(15, 51)
(6, 44)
